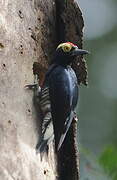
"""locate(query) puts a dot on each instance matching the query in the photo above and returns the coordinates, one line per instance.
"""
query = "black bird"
(59, 96)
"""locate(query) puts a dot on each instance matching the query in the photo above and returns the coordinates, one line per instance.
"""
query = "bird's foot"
(75, 117)
(31, 86)
(35, 85)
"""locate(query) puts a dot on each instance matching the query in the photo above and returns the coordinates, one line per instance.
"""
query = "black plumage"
(63, 91)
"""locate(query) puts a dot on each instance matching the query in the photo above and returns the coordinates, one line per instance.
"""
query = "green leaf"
(108, 160)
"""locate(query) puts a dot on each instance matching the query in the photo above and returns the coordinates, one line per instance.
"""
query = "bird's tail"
(66, 128)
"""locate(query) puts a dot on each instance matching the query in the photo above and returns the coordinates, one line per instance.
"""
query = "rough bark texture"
(29, 32)
(69, 28)
(21, 43)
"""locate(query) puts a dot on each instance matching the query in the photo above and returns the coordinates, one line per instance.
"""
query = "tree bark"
(30, 31)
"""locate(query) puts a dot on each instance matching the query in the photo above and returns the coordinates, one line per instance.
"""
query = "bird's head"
(66, 53)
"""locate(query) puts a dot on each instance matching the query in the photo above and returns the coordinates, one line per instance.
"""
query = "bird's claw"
(31, 86)
(75, 117)
(35, 85)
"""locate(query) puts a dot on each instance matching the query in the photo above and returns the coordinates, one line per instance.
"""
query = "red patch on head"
(71, 43)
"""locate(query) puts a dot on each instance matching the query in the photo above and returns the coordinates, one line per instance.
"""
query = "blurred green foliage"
(97, 110)
(108, 160)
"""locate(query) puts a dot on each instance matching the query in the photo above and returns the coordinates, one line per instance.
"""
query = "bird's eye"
(67, 48)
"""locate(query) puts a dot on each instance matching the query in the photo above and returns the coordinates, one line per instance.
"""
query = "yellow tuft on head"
(66, 47)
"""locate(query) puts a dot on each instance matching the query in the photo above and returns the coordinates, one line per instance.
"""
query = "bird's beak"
(77, 52)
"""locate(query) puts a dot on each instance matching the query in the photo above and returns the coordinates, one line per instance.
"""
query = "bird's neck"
(62, 62)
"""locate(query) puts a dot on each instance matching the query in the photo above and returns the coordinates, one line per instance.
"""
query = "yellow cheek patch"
(66, 47)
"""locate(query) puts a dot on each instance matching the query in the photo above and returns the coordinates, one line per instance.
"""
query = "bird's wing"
(61, 92)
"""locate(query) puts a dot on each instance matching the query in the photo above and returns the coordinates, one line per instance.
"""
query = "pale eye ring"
(66, 48)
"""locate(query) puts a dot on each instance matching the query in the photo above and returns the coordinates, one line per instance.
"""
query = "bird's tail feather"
(66, 126)
(61, 141)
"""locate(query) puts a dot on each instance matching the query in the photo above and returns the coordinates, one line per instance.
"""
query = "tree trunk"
(29, 32)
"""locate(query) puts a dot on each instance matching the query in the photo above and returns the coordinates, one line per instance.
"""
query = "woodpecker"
(59, 96)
